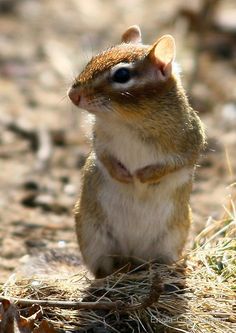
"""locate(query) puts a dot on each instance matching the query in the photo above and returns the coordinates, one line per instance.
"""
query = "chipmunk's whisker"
(128, 94)
(63, 98)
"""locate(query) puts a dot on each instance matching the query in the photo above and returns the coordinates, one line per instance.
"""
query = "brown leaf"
(12, 322)
(44, 327)
(34, 312)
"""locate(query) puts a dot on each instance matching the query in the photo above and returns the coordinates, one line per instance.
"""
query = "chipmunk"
(134, 201)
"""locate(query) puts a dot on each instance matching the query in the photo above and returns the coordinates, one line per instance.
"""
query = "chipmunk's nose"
(74, 95)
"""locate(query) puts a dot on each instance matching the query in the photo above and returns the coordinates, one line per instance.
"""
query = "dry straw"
(196, 296)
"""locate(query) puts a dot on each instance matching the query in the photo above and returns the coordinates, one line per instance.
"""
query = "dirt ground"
(43, 138)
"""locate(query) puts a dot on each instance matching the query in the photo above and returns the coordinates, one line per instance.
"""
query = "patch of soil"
(43, 142)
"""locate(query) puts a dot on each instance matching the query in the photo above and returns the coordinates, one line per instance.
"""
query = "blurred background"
(43, 138)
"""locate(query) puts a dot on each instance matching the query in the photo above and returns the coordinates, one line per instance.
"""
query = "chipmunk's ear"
(162, 54)
(132, 35)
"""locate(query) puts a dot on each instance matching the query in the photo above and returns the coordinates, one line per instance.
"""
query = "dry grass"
(198, 296)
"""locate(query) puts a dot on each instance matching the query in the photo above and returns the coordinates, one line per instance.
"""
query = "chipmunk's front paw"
(120, 173)
(148, 174)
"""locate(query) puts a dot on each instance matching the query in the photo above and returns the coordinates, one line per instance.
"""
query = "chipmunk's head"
(126, 79)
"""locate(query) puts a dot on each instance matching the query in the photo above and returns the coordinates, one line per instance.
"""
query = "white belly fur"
(138, 215)
(127, 148)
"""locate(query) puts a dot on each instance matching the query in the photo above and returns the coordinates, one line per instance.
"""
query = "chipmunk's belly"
(139, 215)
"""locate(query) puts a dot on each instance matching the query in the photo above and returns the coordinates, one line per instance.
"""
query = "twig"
(153, 297)
(68, 304)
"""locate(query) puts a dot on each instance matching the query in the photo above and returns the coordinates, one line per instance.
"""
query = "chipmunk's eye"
(121, 75)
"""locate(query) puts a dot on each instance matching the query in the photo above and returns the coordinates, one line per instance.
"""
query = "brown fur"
(109, 58)
(158, 114)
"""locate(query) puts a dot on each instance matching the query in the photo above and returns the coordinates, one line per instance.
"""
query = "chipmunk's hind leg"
(103, 267)
(96, 248)
(109, 264)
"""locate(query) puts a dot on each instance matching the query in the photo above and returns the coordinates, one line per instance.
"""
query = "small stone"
(61, 243)
(31, 185)
(70, 189)
(229, 113)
